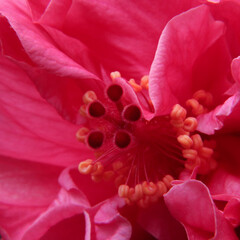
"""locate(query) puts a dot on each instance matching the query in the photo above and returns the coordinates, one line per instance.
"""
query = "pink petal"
(31, 128)
(158, 221)
(93, 192)
(178, 49)
(119, 44)
(232, 212)
(210, 122)
(104, 221)
(191, 204)
(63, 209)
(26, 191)
(224, 182)
(38, 44)
(228, 11)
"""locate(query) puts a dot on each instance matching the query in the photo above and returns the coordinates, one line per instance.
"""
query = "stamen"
(197, 141)
(149, 188)
(123, 191)
(185, 141)
(89, 97)
(85, 167)
(190, 124)
(132, 113)
(204, 97)
(189, 153)
(127, 151)
(96, 109)
(122, 139)
(95, 139)
(114, 92)
(145, 82)
(82, 134)
(136, 87)
(115, 74)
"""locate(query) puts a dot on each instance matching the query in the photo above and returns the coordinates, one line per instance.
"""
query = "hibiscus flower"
(157, 150)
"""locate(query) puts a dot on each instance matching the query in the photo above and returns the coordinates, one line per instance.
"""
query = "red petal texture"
(30, 127)
(228, 11)
(64, 208)
(122, 48)
(191, 204)
(232, 212)
(104, 222)
(26, 191)
(158, 221)
(224, 181)
(178, 49)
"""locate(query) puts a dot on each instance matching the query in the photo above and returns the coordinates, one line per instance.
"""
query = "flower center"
(142, 156)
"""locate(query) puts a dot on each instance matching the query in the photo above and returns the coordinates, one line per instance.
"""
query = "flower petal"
(30, 127)
(178, 49)
(38, 44)
(26, 191)
(158, 221)
(124, 37)
(192, 205)
(104, 221)
(232, 211)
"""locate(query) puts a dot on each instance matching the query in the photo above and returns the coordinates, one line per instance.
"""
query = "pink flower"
(168, 141)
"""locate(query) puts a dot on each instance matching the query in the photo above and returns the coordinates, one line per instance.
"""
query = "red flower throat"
(142, 156)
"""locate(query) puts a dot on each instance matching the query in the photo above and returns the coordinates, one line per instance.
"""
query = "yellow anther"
(89, 97)
(177, 123)
(204, 97)
(167, 180)
(136, 193)
(81, 134)
(185, 141)
(123, 191)
(136, 87)
(205, 152)
(181, 131)
(149, 188)
(83, 111)
(97, 169)
(115, 74)
(190, 124)
(108, 175)
(178, 112)
(162, 188)
(85, 167)
(117, 165)
(197, 141)
(145, 82)
(189, 153)
(197, 108)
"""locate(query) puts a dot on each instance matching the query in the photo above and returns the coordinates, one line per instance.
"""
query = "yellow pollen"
(89, 97)
(136, 87)
(81, 134)
(167, 180)
(190, 124)
(85, 167)
(115, 74)
(97, 169)
(123, 191)
(178, 112)
(162, 188)
(196, 107)
(197, 141)
(185, 141)
(205, 97)
(149, 188)
(145, 82)
(189, 153)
